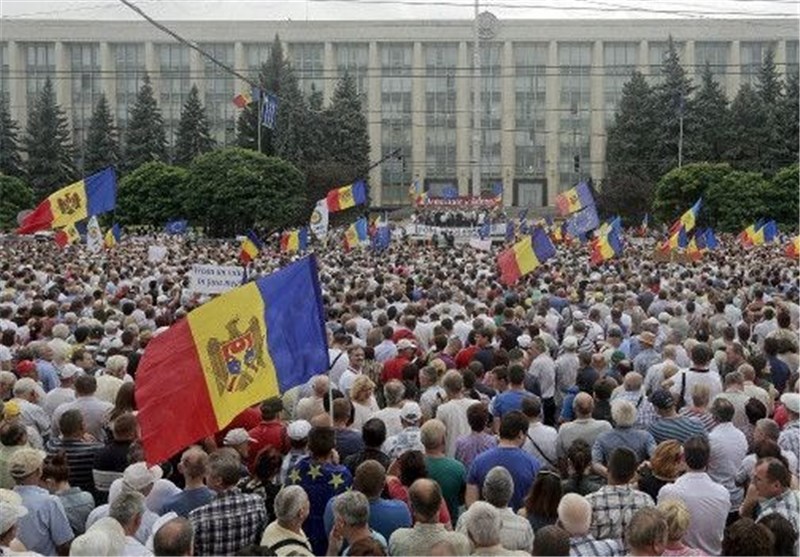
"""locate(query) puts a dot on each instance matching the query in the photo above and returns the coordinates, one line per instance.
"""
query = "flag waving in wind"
(345, 197)
(112, 236)
(356, 234)
(574, 199)
(525, 256)
(251, 247)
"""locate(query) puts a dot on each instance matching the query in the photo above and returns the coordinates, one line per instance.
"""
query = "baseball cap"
(791, 401)
(405, 344)
(137, 476)
(298, 430)
(237, 436)
(662, 399)
(570, 342)
(70, 370)
(25, 462)
(11, 510)
(410, 412)
(524, 341)
(25, 367)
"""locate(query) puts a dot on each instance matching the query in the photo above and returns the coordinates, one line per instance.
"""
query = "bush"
(15, 196)
(737, 201)
(151, 195)
(679, 188)
(781, 197)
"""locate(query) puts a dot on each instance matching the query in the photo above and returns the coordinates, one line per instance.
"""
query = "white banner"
(214, 279)
(483, 245)
(319, 219)
(498, 229)
(156, 254)
(94, 238)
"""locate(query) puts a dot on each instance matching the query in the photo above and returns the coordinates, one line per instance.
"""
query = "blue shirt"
(47, 375)
(522, 466)
(385, 516)
(507, 402)
(188, 500)
(46, 525)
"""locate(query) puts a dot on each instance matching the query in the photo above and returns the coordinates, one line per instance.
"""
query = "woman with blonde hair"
(677, 516)
(664, 467)
(362, 395)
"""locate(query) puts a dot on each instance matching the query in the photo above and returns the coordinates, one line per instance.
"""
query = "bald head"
(583, 405)
(320, 385)
(194, 463)
(176, 537)
(632, 381)
(425, 497)
(575, 514)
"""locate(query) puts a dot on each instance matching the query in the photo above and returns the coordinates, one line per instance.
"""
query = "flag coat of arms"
(345, 197)
(319, 219)
(574, 199)
(249, 344)
(94, 195)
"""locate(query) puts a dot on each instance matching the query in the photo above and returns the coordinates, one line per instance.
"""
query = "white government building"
(548, 88)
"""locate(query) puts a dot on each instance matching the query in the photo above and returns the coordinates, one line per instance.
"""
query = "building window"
(86, 88)
(256, 55)
(353, 58)
(220, 90)
(656, 57)
(530, 193)
(574, 60)
(307, 61)
(530, 86)
(620, 61)
(396, 121)
(715, 55)
(130, 69)
(792, 58)
(491, 113)
(174, 85)
(440, 110)
(751, 56)
(4, 87)
(40, 63)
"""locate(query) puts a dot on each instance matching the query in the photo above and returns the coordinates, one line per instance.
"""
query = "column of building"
(597, 124)
(418, 120)
(463, 112)
(507, 122)
(17, 90)
(374, 120)
(552, 124)
(61, 81)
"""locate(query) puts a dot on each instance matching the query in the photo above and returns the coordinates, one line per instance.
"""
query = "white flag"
(319, 219)
(94, 238)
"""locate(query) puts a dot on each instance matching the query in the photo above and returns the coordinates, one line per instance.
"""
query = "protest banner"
(214, 279)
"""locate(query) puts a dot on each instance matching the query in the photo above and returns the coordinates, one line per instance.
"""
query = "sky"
(299, 10)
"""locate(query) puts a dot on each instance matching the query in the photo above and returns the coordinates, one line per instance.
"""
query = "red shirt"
(247, 419)
(402, 333)
(465, 356)
(393, 369)
(268, 434)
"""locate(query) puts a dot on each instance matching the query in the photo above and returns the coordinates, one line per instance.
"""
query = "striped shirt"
(679, 428)
(80, 458)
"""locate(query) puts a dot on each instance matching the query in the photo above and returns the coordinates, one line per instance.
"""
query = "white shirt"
(747, 466)
(453, 414)
(545, 437)
(391, 417)
(544, 369)
(341, 364)
(709, 504)
(347, 379)
(57, 397)
(134, 549)
(728, 449)
(385, 351)
(710, 378)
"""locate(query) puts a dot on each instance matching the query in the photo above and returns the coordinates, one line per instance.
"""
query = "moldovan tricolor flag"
(251, 247)
(91, 196)
(347, 196)
(524, 256)
(251, 343)
(574, 199)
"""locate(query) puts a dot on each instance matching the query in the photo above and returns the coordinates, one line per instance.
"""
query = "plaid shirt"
(228, 523)
(789, 439)
(589, 547)
(612, 509)
(645, 413)
(787, 504)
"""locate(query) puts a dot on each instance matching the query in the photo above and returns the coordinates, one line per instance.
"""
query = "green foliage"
(48, 144)
(151, 195)
(681, 187)
(708, 133)
(781, 196)
(627, 195)
(736, 201)
(788, 121)
(749, 134)
(292, 124)
(10, 160)
(102, 147)
(345, 125)
(234, 189)
(15, 196)
(146, 140)
(194, 136)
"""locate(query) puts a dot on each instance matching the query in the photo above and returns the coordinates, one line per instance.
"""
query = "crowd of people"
(634, 408)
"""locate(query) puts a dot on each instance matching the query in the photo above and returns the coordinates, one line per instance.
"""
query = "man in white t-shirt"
(684, 381)
(453, 413)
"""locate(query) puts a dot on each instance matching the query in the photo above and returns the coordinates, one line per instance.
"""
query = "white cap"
(11, 509)
(70, 370)
(237, 436)
(137, 476)
(410, 412)
(791, 401)
(570, 342)
(524, 341)
(298, 430)
(404, 344)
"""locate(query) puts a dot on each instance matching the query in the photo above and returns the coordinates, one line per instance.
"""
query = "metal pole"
(680, 140)
(476, 135)
(258, 116)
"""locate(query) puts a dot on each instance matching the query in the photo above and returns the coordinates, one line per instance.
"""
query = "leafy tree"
(788, 122)
(708, 133)
(146, 140)
(48, 144)
(736, 201)
(673, 101)
(15, 196)
(749, 134)
(234, 189)
(627, 195)
(681, 187)
(291, 139)
(318, 142)
(151, 195)
(781, 196)
(270, 78)
(102, 147)
(770, 88)
(345, 124)
(769, 84)
(194, 136)
(10, 160)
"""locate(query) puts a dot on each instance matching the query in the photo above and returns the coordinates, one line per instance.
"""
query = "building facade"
(547, 90)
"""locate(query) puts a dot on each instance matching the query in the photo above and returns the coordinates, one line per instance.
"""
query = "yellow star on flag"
(294, 476)
(314, 471)
(336, 480)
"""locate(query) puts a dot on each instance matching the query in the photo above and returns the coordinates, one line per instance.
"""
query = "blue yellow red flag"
(251, 247)
(574, 199)
(525, 256)
(345, 197)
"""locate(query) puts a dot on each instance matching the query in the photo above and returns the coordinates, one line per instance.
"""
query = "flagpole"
(258, 117)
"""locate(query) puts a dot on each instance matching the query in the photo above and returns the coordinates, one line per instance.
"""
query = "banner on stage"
(464, 202)
(214, 279)
(483, 245)
(497, 229)
(156, 254)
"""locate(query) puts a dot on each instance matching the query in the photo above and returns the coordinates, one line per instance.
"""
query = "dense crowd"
(639, 407)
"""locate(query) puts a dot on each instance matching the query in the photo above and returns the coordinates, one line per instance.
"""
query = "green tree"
(681, 187)
(146, 140)
(292, 124)
(152, 194)
(102, 147)
(781, 196)
(788, 122)
(673, 103)
(736, 201)
(48, 144)
(749, 135)
(270, 78)
(627, 195)
(770, 88)
(194, 136)
(15, 196)
(345, 125)
(318, 141)
(708, 135)
(10, 160)
(234, 189)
